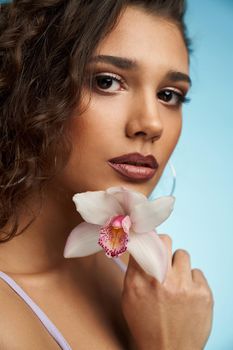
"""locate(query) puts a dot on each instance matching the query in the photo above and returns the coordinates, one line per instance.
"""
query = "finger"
(181, 262)
(134, 274)
(199, 277)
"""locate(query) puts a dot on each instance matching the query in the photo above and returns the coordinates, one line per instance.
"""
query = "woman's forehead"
(147, 40)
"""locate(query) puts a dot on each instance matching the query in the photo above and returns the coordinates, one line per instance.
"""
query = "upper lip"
(138, 159)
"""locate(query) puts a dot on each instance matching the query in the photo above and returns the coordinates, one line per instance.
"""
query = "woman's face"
(134, 107)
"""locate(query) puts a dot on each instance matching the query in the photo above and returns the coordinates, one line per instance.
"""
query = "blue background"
(202, 220)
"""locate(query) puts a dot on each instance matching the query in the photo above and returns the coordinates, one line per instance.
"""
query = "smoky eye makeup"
(105, 82)
(108, 82)
(172, 97)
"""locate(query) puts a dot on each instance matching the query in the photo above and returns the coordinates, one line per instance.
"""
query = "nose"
(144, 118)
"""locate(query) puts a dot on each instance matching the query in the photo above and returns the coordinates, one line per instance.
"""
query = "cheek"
(94, 134)
(174, 131)
(171, 134)
(102, 125)
(107, 112)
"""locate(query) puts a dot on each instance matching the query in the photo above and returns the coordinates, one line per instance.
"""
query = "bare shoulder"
(20, 329)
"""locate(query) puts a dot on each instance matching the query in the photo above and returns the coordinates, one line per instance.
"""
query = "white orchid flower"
(120, 219)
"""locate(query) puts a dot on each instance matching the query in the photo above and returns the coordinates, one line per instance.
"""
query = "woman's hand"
(174, 315)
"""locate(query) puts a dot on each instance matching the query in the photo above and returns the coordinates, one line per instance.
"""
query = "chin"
(144, 188)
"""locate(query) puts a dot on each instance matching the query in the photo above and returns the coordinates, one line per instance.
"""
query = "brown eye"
(104, 82)
(107, 83)
(171, 97)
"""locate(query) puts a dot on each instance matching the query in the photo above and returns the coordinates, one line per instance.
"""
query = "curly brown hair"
(45, 46)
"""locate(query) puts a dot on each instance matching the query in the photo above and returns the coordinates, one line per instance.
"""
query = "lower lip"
(133, 172)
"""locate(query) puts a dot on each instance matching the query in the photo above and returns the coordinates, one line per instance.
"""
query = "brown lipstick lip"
(139, 159)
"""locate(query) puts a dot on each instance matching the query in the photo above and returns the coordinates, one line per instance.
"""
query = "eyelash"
(180, 97)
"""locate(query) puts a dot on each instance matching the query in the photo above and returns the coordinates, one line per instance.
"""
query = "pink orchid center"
(114, 235)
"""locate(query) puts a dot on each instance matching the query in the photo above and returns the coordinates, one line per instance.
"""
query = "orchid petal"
(96, 207)
(128, 199)
(148, 215)
(150, 253)
(82, 241)
(126, 224)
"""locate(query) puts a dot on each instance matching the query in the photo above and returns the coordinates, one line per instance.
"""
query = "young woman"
(83, 82)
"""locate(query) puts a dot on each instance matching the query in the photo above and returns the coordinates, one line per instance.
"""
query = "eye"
(107, 83)
(172, 97)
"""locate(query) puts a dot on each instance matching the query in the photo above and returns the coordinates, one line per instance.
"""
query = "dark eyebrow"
(129, 64)
(178, 76)
(119, 62)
